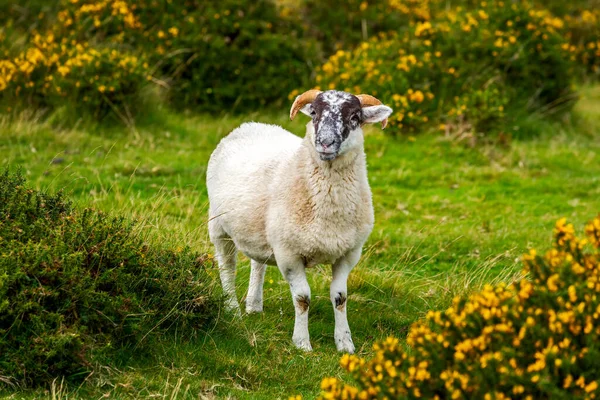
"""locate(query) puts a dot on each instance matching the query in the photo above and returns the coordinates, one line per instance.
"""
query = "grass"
(449, 218)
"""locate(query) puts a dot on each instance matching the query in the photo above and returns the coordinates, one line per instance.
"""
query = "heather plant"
(535, 338)
(80, 288)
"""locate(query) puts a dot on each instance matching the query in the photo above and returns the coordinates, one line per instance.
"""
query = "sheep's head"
(337, 118)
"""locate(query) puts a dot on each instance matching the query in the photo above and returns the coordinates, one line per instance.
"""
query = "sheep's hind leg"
(226, 254)
(294, 273)
(254, 299)
(339, 296)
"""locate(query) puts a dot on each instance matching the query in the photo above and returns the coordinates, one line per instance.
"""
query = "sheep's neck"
(334, 186)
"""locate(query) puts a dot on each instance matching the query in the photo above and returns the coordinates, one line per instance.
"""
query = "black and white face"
(337, 118)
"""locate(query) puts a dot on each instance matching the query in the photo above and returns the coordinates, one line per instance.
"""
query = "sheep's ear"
(374, 114)
(307, 109)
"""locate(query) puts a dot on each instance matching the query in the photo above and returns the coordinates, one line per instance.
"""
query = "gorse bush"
(537, 338)
(584, 36)
(467, 60)
(100, 54)
(81, 287)
(69, 58)
(350, 22)
(466, 66)
(52, 74)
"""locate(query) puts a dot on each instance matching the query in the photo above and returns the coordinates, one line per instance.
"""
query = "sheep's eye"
(313, 113)
(354, 119)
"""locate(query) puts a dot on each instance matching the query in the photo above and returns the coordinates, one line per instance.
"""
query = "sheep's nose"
(326, 141)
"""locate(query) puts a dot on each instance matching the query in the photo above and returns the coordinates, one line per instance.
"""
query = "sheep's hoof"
(302, 343)
(344, 344)
(233, 307)
(253, 307)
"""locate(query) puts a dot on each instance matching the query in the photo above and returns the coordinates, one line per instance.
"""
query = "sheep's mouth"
(327, 156)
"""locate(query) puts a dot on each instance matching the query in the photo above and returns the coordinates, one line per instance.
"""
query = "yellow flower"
(552, 282)
(63, 70)
(590, 387)
(417, 96)
(422, 28)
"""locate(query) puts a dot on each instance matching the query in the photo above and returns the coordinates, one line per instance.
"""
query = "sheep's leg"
(339, 298)
(226, 253)
(294, 273)
(254, 299)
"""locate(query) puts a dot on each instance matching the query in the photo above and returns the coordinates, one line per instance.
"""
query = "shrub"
(582, 29)
(495, 57)
(51, 74)
(537, 338)
(236, 56)
(584, 35)
(100, 54)
(352, 21)
(80, 287)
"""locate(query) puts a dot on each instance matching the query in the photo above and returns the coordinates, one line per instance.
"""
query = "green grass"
(449, 218)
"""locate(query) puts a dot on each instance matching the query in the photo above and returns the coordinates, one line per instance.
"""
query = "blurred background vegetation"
(456, 65)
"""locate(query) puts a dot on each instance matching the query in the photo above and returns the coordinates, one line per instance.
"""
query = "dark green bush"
(227, 54)
(79, 287)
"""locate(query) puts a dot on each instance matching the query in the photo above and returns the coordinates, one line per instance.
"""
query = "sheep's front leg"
(339, 298)
(254, 300)
(294, 273)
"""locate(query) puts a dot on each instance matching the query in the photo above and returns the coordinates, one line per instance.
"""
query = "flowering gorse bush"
(99, 54)
(50, 72)
(536, 338)
(584, 36)
(351, 21)
(463, 66)
(459, 65)
(65, 63)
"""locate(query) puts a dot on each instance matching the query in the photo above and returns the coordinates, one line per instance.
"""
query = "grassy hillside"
(448, 219)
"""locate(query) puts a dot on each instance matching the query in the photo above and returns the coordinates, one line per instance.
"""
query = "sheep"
(295, 203)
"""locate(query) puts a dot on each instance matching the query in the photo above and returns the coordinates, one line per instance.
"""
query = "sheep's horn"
(302, 100)
(366, 100)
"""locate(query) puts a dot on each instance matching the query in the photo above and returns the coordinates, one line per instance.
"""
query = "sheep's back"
(239, 173)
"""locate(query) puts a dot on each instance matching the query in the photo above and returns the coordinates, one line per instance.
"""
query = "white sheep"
(295, 203)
